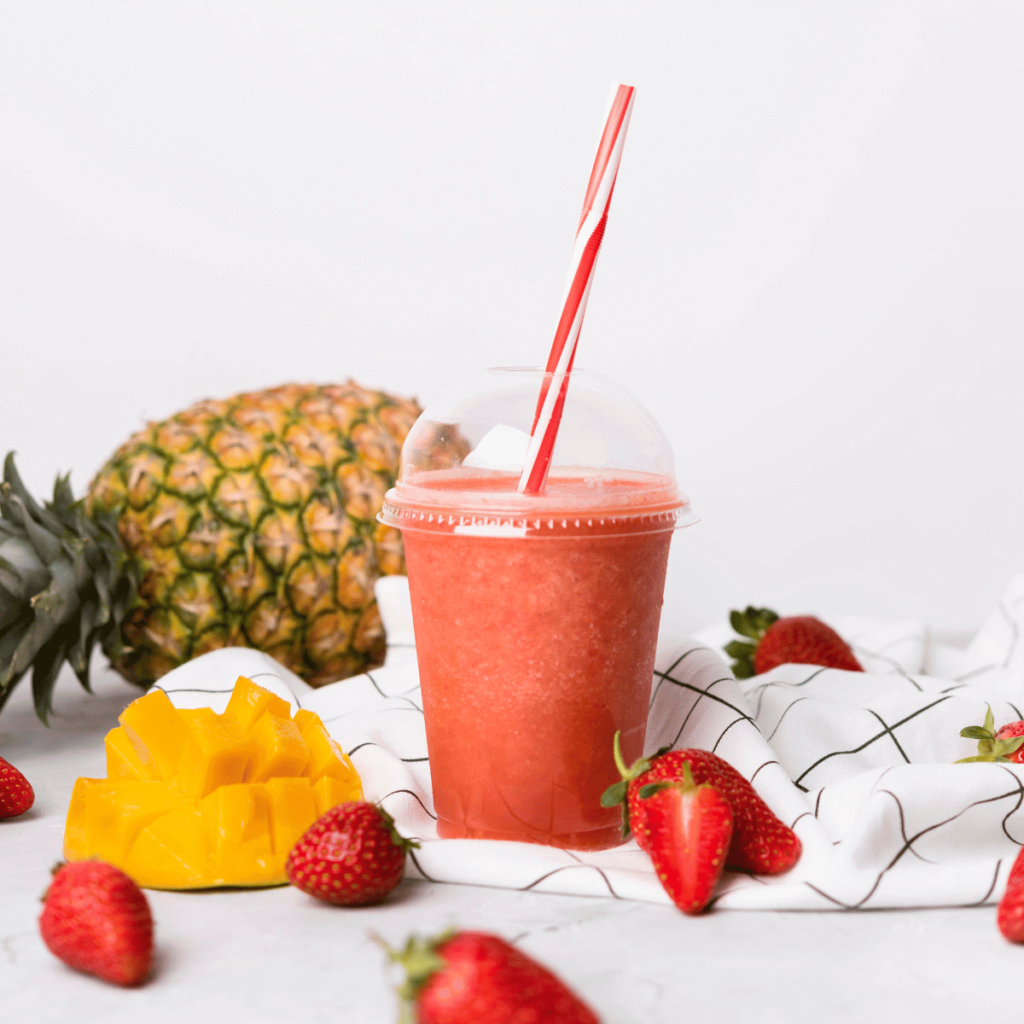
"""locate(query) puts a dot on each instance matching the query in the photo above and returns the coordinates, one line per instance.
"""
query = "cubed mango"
(237, 822)
(292, 810)
(156, 731)
(215, 753)
(249, 701)
(195, 799)
(325, 756)
(120, 810)
(172, 852)
(77, 828)
(124, 761)
(330, 792)
(280, 750)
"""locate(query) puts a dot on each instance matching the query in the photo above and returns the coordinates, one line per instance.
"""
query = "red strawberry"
(97, 920)
(1010, 916)
(462, 977)
(1005, 744)
(16, 795)
(760, 842)
(350, 856)
(1011, 731)
(689, 828)
(798, 639)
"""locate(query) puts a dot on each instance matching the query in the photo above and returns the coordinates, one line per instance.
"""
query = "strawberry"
(458, 977)
(1004, 744)
(97, 920)
(16, 795)
(1010, 916)
(798, 639)
(760, 842)
(688, 832)
(350, 856)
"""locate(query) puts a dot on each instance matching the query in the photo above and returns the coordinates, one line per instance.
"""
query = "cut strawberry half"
(689, 829)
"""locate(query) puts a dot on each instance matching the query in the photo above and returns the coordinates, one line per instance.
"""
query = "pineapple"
(243, 522)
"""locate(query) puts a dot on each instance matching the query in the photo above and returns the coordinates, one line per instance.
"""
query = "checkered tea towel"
(859, 764)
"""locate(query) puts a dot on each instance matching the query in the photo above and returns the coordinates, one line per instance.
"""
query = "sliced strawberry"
(688, 832)
(760, 842)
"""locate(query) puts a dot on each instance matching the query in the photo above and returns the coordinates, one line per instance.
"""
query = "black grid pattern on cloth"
(858, 764)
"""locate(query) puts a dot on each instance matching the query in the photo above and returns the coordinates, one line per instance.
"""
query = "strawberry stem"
(617, 754)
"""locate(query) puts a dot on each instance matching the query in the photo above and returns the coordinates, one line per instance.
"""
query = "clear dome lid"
(463, 459)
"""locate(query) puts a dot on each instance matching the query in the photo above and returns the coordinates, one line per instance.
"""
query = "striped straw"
(577, 289)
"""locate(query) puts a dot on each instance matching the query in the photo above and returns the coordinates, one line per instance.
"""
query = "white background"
(812, 274)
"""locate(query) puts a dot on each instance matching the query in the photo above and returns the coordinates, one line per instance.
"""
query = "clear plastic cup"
(536, 616)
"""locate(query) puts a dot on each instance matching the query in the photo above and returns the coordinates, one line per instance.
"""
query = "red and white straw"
(577, 289)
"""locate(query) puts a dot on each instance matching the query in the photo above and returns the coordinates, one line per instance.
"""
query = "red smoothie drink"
(536, 621)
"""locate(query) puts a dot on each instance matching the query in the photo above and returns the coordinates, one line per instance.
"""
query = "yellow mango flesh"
(281, 752)
(194, 799)
(156, 731)
(325, 756)
(238, 829)
(216, 753)
(330, 792)
(249, 701)
(124, 761)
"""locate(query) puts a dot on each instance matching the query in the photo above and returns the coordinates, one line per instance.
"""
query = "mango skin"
(195, 800)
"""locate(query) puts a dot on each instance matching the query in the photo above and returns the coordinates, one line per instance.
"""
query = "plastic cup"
(536, 615)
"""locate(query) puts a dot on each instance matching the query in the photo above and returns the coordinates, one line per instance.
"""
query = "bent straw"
(577, 290)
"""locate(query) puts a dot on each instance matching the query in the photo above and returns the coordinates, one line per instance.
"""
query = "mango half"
(193, 799)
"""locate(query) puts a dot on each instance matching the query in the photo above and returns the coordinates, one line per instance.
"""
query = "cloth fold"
(858, 764)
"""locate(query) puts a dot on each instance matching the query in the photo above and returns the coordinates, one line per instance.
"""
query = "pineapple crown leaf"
(751, 623)
(989, 748)
(65, 581)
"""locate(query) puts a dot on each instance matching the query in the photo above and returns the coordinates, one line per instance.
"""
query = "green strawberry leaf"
(990, 722)
(614, 795)
(976, 732)
(739, 649)
(651, 788)
(762, 618)
(751, 623)
(1010, 746)
(741, 623)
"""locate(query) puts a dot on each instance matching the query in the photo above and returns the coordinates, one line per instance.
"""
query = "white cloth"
(859, 764)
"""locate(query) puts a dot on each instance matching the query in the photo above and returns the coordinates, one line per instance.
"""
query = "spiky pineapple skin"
(252, 523)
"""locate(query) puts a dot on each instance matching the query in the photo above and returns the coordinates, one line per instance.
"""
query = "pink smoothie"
(534, 649)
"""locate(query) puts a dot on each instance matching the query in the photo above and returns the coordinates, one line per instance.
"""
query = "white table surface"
(277, 955)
